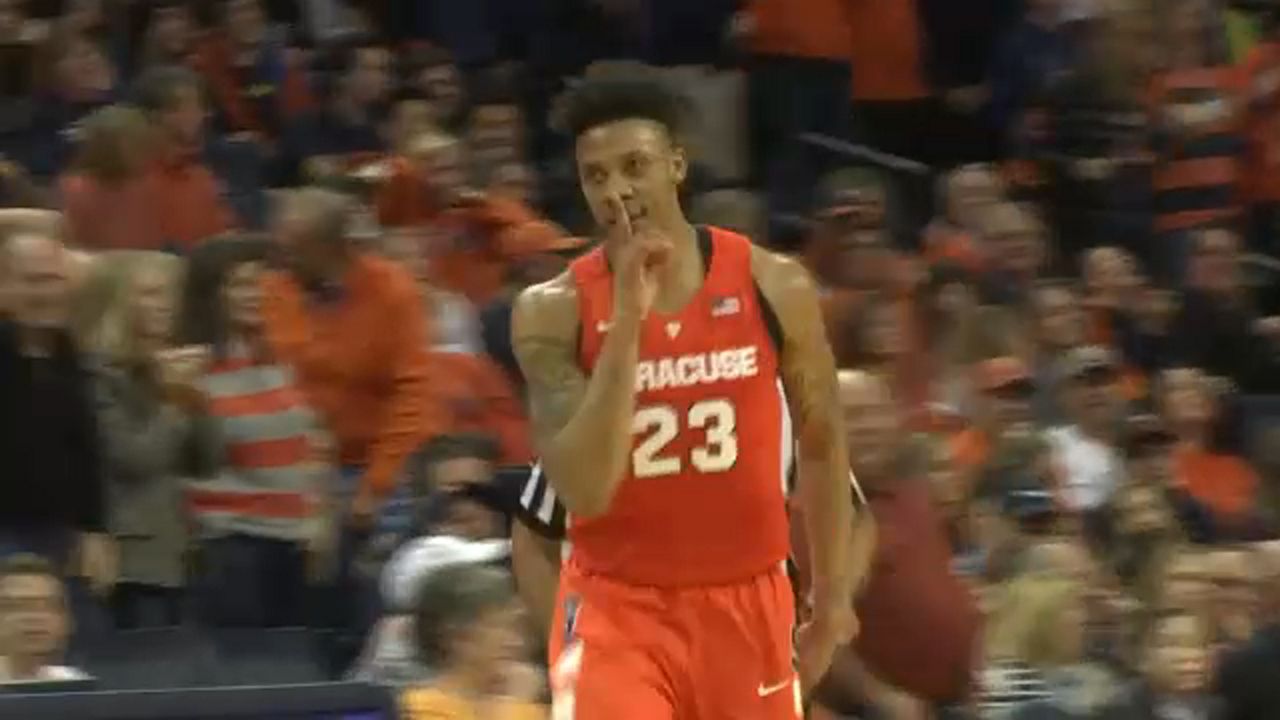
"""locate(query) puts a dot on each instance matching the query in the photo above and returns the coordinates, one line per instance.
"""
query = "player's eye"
(636, 165)
(595, 176)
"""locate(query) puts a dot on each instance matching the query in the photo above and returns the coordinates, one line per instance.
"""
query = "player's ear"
(679, 164)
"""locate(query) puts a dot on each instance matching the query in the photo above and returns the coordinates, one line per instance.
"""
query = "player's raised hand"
(641, 253)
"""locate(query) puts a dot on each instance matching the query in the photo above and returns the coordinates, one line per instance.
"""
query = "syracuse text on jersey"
(696, 369)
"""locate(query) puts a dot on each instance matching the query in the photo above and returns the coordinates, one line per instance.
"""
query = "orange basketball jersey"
(703, 499)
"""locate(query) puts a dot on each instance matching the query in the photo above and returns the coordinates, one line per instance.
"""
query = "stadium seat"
(255, 656)
(151, 659)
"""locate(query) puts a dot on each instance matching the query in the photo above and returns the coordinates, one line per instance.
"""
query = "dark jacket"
(50, 474)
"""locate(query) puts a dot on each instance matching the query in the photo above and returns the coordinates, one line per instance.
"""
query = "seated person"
(34, 622)
(468, 628)
(389, 657)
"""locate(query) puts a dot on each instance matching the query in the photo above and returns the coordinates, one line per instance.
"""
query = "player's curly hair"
(613, 91)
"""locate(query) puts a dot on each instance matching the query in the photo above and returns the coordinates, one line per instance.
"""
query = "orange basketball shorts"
(626, 652)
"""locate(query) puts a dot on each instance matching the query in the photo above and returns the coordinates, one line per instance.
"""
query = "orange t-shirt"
(801, 28)
(171, 206)
(361, 359)
(1225, 483)
(886, 52)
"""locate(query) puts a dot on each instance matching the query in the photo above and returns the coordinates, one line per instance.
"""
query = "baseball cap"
(1087, 360)
(419, 559)
(1002, 372)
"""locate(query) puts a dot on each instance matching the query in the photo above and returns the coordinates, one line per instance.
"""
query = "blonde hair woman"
(124, 319)
(1036, 650)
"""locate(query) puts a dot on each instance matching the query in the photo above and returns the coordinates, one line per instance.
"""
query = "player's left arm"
(809, 377)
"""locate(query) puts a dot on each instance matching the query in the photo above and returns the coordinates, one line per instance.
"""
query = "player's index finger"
(624, 220)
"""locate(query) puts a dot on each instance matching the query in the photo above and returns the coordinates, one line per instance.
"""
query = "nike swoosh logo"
(767, 690)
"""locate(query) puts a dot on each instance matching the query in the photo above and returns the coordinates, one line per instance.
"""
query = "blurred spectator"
(170, 37)
(1110, 277)
(1032, 55)
(351, 326)
(264, 519)
(346, 126)
(1223, 482)
(77, 78)
(1002, 408)
(34, 622)
(966, 196)
(1018, 244)
(495, 131)
(391, 656)
(1234, 606)
(467, 628)
(1177, 670)
(256, 84)
(49, 435)
(1262, 158)
(145, 173)
(1058, 326)
(1087, 449)
(1199, 138)
(958, 333)
(1036, 655)
(799, 78)
(1217, 328)
(353, 287)
(1090, 133)
(1246, 677)
(478, 236)
(150, 440)
(457, 327)
(430, 72)
(911, 600)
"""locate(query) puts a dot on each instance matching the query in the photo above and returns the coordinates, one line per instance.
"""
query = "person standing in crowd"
(51, 495)
(1057, 327)
(256, 84)
(35, 622)
(103, 182)
(346, 127)
(264, 518)
(920, 623)
(150, 440)
(352, 328)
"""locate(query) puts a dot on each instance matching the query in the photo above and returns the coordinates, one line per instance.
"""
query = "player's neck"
(682, 275)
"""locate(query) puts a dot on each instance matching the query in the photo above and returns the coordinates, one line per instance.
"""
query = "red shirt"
(703, 502)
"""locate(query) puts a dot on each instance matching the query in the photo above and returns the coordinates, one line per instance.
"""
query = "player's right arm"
(581, 425)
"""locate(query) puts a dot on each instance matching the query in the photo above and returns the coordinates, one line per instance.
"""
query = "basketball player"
(656, 367)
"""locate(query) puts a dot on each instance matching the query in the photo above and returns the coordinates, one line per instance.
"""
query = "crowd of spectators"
(256, 279)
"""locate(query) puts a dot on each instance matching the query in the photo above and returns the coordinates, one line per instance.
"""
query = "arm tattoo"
(556, 383)
(811, 390)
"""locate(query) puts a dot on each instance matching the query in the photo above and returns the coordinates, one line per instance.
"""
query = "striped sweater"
(269, 475)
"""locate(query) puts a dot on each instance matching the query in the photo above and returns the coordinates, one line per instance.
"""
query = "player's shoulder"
(549, 307)
(783, 280)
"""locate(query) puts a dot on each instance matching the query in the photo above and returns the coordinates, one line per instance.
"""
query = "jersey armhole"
(772, 324)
